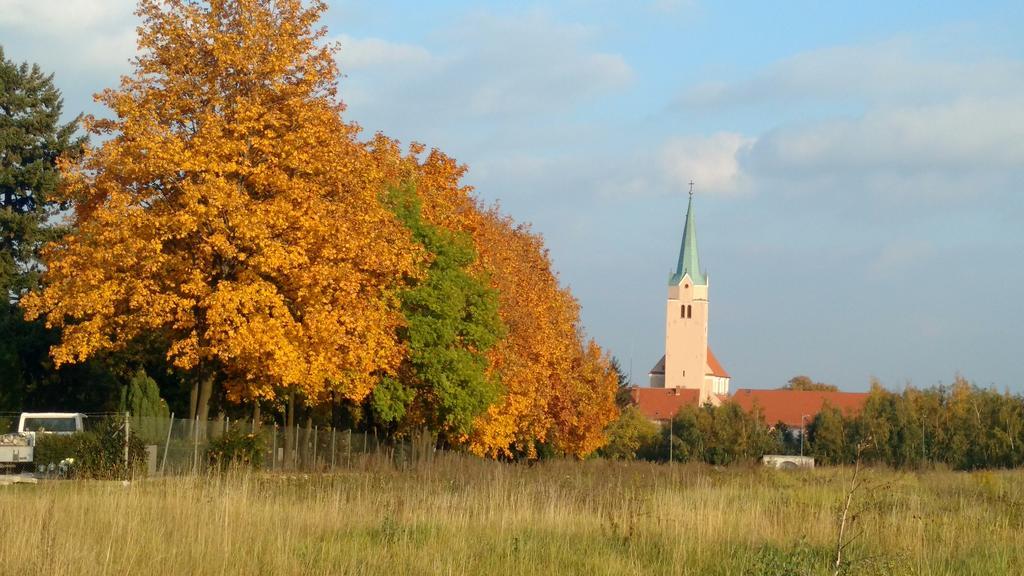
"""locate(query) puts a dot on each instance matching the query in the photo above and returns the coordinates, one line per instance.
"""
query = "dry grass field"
(460, 515)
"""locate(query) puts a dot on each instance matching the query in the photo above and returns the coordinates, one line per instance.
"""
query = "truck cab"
(51, 422)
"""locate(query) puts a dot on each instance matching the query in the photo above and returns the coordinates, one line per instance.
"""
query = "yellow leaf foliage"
(557, 390)
(231, 209)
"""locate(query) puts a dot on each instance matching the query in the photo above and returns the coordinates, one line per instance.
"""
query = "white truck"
(17, 449)
(16, 452)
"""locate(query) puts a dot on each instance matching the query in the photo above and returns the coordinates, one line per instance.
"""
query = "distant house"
(796, 408)
(662, 404)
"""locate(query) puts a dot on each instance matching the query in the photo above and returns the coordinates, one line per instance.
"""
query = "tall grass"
(459, 515)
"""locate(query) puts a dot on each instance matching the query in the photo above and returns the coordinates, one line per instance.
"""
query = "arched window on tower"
(689, 311)
(682, 311)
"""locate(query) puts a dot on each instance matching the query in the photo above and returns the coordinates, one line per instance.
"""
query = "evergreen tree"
(32, 139)
(141, 398)
(622, 397)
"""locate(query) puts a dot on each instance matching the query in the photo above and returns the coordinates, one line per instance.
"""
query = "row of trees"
(234, 236)
(717, 435)
(959, 426)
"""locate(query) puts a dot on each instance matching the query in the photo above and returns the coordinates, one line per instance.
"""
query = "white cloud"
(711, 162)
(111, 52)
(59, 17)
(362, 53)
(963, 135)
(86, 43)
(484, 67)
(880, 119)
(531, 63)
(880, 73)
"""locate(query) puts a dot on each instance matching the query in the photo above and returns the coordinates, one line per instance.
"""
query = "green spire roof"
(689, 260)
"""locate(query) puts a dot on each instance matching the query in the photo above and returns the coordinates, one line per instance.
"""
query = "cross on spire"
(689, 261)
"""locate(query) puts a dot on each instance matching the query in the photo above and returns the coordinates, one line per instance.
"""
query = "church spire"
(689, 259)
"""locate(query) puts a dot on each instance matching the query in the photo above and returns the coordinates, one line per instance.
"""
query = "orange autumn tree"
(232, 212)
(558, 390)
(584, 405)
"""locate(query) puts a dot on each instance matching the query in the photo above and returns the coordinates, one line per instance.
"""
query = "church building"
(689, 369)
(690, 375)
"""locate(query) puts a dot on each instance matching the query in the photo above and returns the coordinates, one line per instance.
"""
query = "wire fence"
(177, 446)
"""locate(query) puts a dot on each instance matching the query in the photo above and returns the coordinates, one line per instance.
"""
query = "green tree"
(827, 437)
(929, 405)
(451, 322)
(717, 435)
(965, 433)
(806, 383)
(32, 139)
(688, 435)
(1009, 430)
(622, 397)
(878, 422)
(737, 435)
(628, 435)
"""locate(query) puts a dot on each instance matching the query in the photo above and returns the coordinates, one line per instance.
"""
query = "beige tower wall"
(686, 337)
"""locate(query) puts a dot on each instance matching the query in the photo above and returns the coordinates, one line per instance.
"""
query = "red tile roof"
(716, 368)
(787, 406)
(663, 403)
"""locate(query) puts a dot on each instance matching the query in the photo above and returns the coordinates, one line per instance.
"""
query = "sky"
(858, 166)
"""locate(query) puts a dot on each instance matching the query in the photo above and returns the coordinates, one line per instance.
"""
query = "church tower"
(688, 362)
(688, 373)
(686, 317)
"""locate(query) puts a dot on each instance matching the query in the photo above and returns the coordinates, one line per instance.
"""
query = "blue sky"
(859, 167)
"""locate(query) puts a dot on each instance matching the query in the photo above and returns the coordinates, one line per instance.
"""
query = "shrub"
(236, 447)
(54, 448)
(95, 454)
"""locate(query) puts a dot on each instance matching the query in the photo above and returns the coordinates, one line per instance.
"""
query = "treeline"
(718, 435)
(234, 237)
(960, 426)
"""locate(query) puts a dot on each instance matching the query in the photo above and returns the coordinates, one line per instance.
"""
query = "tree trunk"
(203, 407)
(335, 411)
(307, 454)
(289, 428)
(193, 401)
